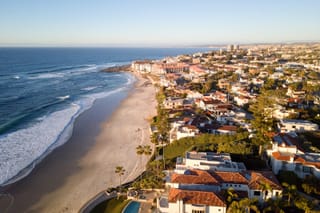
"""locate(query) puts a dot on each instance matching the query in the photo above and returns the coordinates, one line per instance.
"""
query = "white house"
(241, 100)
(227, 130)
(286, 155)
(291, 125)
(187, 131)
(190, 201)
(172, 103)
(208, 161)
(142, 66)
(250, 184)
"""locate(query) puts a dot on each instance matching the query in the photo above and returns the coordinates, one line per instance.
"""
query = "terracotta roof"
(230, 177)
(228, 128)
(304, 161)
(270, 134)
(190, 127)
(194, 177)
(279, 156)
(195, 197)
(263, 177)
(211, 101)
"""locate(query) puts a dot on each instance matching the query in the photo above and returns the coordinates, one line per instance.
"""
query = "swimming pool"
(132, 207)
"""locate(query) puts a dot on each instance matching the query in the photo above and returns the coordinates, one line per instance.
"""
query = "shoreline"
(64, 135)
(73, 184)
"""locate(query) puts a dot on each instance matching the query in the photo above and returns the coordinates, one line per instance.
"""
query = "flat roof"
(209, 156)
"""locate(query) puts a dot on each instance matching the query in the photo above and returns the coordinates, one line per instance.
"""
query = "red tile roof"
(230, 177)
(195, 177)
(263, 177)
(195, 197)
(279, 156)
(228, 128)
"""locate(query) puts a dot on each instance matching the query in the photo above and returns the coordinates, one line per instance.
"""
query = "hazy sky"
(156, 22)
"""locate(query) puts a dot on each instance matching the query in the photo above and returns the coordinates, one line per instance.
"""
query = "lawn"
(114, 205)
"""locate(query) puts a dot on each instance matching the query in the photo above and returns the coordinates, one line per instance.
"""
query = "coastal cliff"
(120, 68)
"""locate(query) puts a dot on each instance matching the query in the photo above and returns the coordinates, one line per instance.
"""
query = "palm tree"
(147, 150)
(290, 191)
(304, 204)
(140, 151)
(243, 206)
(120, 171)
(229, 195)
(265, 187)
(143, 150)
(274, 205)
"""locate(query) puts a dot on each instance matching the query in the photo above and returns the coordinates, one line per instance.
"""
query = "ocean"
(44, 90)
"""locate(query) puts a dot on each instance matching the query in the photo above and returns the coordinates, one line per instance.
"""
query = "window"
(306, 169)
(293, 127)
(277, 194)
(198, 211)
(256, 193)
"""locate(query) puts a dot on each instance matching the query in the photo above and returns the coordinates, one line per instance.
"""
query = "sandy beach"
(85, 165)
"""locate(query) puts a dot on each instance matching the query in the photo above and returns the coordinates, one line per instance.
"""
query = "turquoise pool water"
(133, 207)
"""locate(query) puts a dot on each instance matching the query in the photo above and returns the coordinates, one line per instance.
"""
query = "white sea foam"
(63, 97)
(47, 75)
(68, 71)
(22, 149)
(89, 88)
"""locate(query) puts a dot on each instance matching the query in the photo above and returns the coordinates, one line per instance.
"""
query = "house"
(187, 131)
(227, 130)
(191, 201)
(252, 184)
(241, 100)
(287, 155)
(295, 93)
(217, 95)
(291, 125)
(216, 107)
(257, 181)
(276, 75)
(207, 161)
(173, 67)
(172, 103)
(208, 103)
(142, 66)
(197, 71)
(280, 112)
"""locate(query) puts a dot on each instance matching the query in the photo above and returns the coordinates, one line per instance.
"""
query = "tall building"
(230, 47)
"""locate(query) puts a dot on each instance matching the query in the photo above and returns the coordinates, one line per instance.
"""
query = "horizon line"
(213, 45)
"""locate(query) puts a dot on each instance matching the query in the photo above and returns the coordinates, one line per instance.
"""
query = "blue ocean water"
(43, 90)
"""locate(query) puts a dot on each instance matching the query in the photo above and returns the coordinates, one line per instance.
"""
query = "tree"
(143, 150)
(140, 151)
(147, 150)
(290, 191)
(243, 206)
(265, 187)
(120, 171)
(229, 195)
(274, 205)
(303, 203)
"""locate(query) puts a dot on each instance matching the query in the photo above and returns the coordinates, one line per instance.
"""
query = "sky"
(156, 22)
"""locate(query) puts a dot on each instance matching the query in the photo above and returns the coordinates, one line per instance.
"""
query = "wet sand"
(75, 172)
